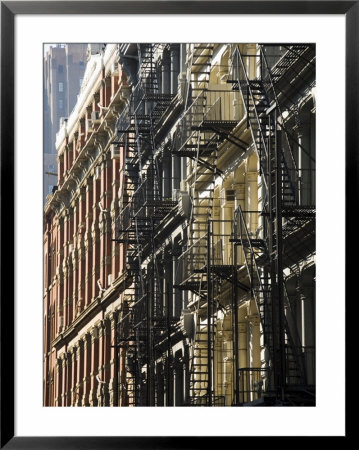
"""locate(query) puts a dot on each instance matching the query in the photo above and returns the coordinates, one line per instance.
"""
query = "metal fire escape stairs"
(199, 141)
(144, 209)
(126, 342)
(263, 256)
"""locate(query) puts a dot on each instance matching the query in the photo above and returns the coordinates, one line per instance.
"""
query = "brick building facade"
(84, 274)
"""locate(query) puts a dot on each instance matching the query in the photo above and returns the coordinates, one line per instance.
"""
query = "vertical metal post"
(168, 365)
(279, 261)
(150, 371)
(252, 284)
(137, 377)
(209, 314)
(115, 381)
(269, 316)
(247, 106)
(235, 319)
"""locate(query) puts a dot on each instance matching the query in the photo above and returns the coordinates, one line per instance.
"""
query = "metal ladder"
(279, 190)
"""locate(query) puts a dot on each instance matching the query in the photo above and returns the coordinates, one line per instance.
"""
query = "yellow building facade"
(236, 149)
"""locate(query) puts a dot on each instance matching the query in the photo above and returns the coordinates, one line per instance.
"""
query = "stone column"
(88, 242)
(251, 63)
(72, 150)
(226, 226)
(82, 131)
(107, 350)
(237, 106)
(304, 164)
(115, 246)
(101, 390)
(75, 266)
(70, 291)
(184, 377)
(60, 299)
(95, 237)
(69, 378)
(166, 75)
(94, 366)
(59, 275)
(308, 320)
(60, 168)
(254, 340)
(176, 172)
(102, 342)
(74, 376)
(105, 229)
(81, 250)
(80, 372)
(183, 57)
(65, 302)
(101, 353)
(166, 176)
(112, 319)
(252, 195)
(86, 261)
(70, 265)
(256, 380)
(102, 222)
(107, 91)
(175, 67)
(64, 380)
(64, 155)
(227, 361)
(95, 234)
(242, 343)
(108, 228)
(239, 189)
(58, 382)
(87, 369)
(242, 350)
(174, 387)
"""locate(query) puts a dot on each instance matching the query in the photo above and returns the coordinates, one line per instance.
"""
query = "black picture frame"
(9, 9)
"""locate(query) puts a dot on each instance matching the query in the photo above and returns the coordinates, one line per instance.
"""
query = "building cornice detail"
(96, 144)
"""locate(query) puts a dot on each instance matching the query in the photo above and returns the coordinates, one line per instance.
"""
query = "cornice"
(100, 138)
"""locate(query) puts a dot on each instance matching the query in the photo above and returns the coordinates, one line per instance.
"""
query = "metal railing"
(252, 383)
(192, 261)
(203, 400)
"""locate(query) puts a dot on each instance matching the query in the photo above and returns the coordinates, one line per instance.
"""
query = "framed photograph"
(175, 183)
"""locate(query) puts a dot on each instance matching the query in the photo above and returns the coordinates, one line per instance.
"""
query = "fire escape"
(199, 135)
(288, 219)
(141, 210)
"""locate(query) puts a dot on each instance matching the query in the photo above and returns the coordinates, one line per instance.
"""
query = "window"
(61, 103)
(61, 68)
(61, 87)
(81, 80)
(230, 195)
(50, 188)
